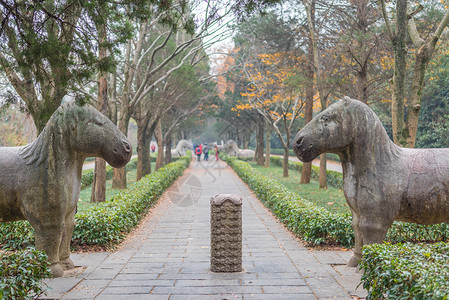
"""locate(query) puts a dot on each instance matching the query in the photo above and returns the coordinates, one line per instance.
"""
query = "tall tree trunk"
(400, 69)
(168, 146)
(362, 86)
(112, 101)
(119, 177)
(141, 137)
(146, 156)
(260, 132)
(308, 109)
(267, 145)
(144, 161)
(319, 80)
(323, 172)
(362, 74)
(247, 138)
(285, 163)
(99, 183)
(414, 108)
(160, 146)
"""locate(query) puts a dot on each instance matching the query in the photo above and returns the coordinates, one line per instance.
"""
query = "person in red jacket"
(216, 152)
(198, 151)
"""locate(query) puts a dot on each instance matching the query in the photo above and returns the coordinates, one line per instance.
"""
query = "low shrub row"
(406, 271)
(318, 226)
(274, 151)
(105, 223)
(87, 176)
(21, 273)
(313, 224)
(334, 178)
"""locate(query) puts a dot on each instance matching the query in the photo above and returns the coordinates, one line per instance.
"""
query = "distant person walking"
(153, 148)
(216, 152)
(206, 152)
(198, 151)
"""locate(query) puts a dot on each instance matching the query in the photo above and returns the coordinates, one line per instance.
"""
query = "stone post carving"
(226, 233)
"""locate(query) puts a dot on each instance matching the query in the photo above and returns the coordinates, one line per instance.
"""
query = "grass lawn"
(85, 194)
(331, 199)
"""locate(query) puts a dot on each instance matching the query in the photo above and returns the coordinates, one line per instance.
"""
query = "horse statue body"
(382, 181)
(232, 149)
(40, 182)
(181, 148)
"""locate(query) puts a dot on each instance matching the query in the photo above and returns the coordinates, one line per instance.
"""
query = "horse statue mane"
(370, 131)
(51, 140)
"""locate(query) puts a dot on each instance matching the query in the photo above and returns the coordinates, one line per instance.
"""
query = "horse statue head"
(231, 148)
(82, 130)
(181, 148)
(335, 128)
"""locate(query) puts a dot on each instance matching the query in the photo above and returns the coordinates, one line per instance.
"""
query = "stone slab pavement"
(168, 256)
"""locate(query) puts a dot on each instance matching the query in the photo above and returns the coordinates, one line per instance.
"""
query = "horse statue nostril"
(127, 146)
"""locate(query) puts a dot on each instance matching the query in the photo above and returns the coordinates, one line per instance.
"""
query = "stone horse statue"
(232, 149)
(40, 182)
(181, 148)
(382, 182)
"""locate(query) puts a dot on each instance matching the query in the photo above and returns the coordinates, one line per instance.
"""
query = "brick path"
(168, 256)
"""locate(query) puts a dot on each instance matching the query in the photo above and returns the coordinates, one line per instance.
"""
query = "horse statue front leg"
(48, 239)
(358, 241)
(64, 249)
(370, 223)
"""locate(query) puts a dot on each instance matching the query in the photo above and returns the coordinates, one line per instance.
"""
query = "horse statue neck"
(52, 143)
(371, 144)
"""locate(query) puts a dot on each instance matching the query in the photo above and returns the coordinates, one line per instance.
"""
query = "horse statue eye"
(325, 118)
(97, 122)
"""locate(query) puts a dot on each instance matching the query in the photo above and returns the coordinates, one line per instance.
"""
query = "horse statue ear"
(346, 100)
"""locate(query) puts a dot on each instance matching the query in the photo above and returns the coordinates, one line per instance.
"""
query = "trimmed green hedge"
(406, 271)
(334, 178)
(21, 273)
(87, 176)
(274, 151)
(318, 226)
(106, 223)
(313, 224)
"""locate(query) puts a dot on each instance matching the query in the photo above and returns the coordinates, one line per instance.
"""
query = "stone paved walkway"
(168, 257)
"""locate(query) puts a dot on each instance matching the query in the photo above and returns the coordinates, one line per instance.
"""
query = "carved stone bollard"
(226, 233)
